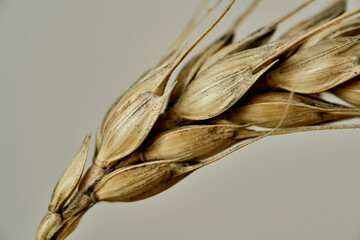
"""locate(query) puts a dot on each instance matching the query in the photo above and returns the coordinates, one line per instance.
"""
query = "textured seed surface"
(128, 127)
(318, 68)
(153, 81)
(266, 110)
(190, 142)
(129, 183)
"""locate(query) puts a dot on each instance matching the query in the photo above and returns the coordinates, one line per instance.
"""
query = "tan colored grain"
(190, 142)
(192, 67)
(216, 90)
(128, 127)
(266, 110)
(349, 91)
(318, 68)
(70, 179)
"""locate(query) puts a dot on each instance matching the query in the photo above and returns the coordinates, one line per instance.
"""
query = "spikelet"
(188, 72)
(215, 90)
(193, 65)
(319, 67)
(137, 182)
(128, 183)
(63, 190)
(266, 110)
(153, 81)
(128, 127)
(70, 179)
(349, 91)
(190, 142)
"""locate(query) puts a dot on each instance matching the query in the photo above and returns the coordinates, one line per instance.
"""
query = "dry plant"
(212, 107)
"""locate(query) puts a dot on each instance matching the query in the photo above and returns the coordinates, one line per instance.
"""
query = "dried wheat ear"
(218, 96)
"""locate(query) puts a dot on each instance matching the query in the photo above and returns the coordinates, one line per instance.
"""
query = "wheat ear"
(228, 95)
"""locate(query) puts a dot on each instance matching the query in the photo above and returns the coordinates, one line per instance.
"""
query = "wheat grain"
(70, 179)
(266, 110)
(318, 68)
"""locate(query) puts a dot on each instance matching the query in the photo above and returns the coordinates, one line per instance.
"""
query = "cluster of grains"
(218, 96)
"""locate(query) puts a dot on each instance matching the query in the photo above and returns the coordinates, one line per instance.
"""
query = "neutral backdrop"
(62, 63)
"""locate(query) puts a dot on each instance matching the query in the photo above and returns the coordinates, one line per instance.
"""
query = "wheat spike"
(143, 148)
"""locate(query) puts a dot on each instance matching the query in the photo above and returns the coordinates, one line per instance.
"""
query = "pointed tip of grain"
(86, 142)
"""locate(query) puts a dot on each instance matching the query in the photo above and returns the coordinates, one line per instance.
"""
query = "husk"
(349, 91)
(318, 68)
(266, 110)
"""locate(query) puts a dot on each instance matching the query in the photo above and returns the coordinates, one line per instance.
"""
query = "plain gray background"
(62, 63)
